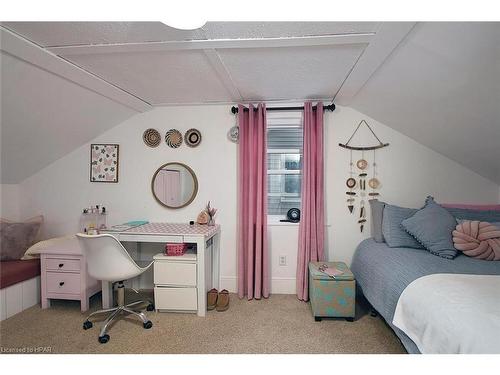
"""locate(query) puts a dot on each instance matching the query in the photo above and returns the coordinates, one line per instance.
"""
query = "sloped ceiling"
(437, 83)
(44, 117)
(441, 87)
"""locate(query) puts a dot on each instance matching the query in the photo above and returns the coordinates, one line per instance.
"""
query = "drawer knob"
(61, 283)
(61, 264)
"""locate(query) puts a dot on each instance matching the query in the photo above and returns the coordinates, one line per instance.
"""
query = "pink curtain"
(253, 266)
(312, 218)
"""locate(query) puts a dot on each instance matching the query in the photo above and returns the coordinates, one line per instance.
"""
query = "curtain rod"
(330, 107)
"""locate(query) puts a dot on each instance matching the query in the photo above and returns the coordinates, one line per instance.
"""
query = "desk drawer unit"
(169, 298)
(175, 273)
(175, 282)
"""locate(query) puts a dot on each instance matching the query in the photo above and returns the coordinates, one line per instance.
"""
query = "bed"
(383, 273)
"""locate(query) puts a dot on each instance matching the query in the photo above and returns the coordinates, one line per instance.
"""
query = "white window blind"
(284, 161)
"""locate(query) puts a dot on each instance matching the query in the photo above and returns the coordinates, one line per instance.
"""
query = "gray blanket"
(383, 273)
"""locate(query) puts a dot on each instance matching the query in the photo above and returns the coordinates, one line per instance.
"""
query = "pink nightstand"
(65, 277)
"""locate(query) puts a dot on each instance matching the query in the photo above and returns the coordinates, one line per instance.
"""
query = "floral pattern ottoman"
(332, 297)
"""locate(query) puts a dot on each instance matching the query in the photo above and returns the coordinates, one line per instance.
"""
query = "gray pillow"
(432, 226)
(377, 210)
(16, 238)
(468, 214)
(394, 234)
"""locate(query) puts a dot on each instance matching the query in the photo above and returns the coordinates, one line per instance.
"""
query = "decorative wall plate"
(351, 183)
(234, 134)
(173, 138)
(151, 137)
(192, 137)
(362, 164)
(374, 183)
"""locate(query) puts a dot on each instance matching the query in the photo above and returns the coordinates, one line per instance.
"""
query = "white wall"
(408, 171)
(9, 208)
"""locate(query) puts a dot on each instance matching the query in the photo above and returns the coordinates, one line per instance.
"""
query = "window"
(284, 161)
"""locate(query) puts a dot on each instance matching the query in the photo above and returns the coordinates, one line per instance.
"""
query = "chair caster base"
(87, 324)
(148, 324)
(150, 307)
(104, 339)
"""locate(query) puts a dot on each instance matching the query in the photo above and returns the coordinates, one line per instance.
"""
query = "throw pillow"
(16, 238)
(377, 210)
(394, 234)
(433, 226)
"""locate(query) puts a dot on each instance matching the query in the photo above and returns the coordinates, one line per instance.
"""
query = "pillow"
(474, 214)
(16, 238)
(377, 210)
(58, 245)
(478, 207)
(478, 239)
(394, 233)
(433, 226)
(496, 224)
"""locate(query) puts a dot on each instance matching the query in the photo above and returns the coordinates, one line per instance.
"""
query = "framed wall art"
(104, 161)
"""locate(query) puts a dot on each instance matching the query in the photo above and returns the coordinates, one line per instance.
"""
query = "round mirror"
(174, 185)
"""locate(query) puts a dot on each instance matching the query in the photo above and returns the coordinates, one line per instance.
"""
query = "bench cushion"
(15, 271)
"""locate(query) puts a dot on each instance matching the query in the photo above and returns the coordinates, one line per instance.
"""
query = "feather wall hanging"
(356, 182)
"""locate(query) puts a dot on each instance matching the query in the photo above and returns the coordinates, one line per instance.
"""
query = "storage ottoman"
(332, 297)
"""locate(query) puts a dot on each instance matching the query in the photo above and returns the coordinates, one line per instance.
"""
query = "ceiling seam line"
(226, 71)
(80, 85)
(108, 82)
(77, 66)
(321, 40)
(379, 65)
(387, 56)
(190, 40)
(348, 74)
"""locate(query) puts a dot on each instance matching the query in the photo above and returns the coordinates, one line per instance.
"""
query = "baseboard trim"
(279, 285)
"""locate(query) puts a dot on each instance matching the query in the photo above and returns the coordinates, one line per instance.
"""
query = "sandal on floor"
(212, 299)
(223, 301)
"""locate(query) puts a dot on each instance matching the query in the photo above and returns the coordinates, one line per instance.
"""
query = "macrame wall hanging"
(356, 182)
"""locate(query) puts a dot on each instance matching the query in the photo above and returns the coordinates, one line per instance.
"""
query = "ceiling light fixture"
(181, 23)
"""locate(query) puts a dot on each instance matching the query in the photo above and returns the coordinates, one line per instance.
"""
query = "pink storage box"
(175, 249)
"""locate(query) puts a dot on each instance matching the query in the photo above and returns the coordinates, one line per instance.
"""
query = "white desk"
(206, 238)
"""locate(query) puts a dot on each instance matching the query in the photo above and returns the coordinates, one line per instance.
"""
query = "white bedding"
(451, 313)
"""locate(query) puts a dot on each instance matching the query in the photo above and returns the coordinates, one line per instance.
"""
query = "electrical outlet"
(282, 260)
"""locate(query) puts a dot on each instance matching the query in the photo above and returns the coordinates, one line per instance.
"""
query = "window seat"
(16, 271)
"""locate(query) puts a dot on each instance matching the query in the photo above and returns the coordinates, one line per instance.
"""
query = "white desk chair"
(108, 260)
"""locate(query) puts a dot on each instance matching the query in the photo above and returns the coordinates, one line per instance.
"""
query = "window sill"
(281, 224)
(274, 220)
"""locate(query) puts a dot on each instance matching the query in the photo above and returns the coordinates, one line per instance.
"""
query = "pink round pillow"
(477, 239)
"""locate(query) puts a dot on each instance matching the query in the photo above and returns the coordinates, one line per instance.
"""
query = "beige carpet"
(280, 324)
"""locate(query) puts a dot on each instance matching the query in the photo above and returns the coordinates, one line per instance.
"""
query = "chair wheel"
(350, 319)
(317, 319)
(150, 307)
(104, 339)
(87, 324)
(148, 324)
